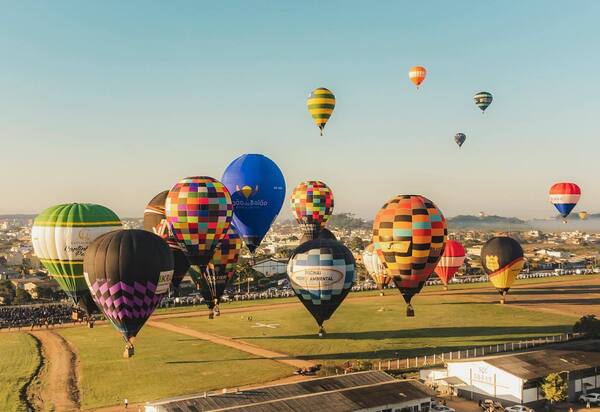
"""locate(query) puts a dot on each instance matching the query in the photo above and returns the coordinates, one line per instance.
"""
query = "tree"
(44, 292)
(588, 325)
(554, 388)
(356, 243)
(21, 297)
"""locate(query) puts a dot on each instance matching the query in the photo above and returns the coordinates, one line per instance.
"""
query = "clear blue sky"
(111, 102)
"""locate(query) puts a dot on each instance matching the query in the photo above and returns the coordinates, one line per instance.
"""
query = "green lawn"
(165, 364)
(18, 361)
(377, 328)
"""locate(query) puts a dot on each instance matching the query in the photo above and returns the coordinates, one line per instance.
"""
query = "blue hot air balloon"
(257, 190)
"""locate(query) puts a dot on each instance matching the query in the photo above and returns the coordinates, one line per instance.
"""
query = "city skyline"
(112, 105)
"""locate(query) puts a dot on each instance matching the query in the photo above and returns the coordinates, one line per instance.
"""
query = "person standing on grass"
(126, 403)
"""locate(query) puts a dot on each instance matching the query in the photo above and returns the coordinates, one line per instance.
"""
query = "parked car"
(518, 408)
(442, 408)
(593, 398)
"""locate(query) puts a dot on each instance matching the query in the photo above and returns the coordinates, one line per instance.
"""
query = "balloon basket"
(502, 301)
(445, 287)
(410, 312)
(128, 352)
(322, 332)
(381, 293)
(211, 314)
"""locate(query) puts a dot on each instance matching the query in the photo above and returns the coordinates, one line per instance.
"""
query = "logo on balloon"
(491, 262)
(84, 235)
(247, 191)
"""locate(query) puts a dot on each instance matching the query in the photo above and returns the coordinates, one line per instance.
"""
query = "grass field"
(165, 364)
(18, 361)
(378, 328)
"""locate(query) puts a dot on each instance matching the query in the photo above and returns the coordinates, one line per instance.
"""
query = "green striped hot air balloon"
(483, 100)
(321, 103)
(61, 234)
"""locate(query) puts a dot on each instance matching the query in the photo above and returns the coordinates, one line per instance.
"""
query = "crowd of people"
(40, 316)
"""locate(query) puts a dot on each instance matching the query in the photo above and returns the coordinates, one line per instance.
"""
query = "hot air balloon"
(460, 138)
(155, 221)
(409, 233)
(321, 103)
(324, 233)
(502, 260)
(417, 75)
(452, 259)
(483, 100)
(199, 212)
(564, 196)
(214, 279)
(375, 268)
(312, 206)
(60, 236)
(321, 272)
(128, 272)
(257, 190)
(583, 215)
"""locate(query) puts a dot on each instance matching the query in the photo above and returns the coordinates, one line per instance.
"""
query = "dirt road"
(55, 387)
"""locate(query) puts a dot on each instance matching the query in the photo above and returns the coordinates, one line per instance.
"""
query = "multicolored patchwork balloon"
(375, 268)
(417, 75)
(483, 100)
(60, 236)
(460, 138)
(502, 260)
(321, 272)
(321, 103)
(452, 259)
(409, 234)
(128, 272)
(214, 279)
(155, 221)
(257, 189)
(564, 196)
(312, 206)
(199, 211)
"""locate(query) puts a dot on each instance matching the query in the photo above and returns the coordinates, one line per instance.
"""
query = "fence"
(400, 364)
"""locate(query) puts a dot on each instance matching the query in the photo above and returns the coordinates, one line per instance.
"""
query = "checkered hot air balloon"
(128, 272)
(409, 234)
(60, 236)
(483, 100)
(312, 206)
(199, 211)
(417, 75)
(321, 103)
(214, 279)
(155, 221)
(375, 268)
(452, 259)
(564, 196)
(502, 260)
(321, 273)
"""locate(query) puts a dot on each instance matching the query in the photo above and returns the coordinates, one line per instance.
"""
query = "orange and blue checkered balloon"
(199, 211)
(312, 206)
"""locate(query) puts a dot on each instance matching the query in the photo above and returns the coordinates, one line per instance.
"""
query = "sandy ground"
(55, 387)
(58, 382)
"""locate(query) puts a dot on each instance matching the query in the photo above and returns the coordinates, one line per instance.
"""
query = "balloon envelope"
(564, 196)
(321, 103)
(321, 272)
(257, 189)
(312, 206)
(409, 233)
(374, 267)
(483, 100)
(60, 236)
(324, 233)
(452, 259)
(583, 215)
(155, 221)
(502, 260)
(417, 75)
(128, 272)
(460, 138)
(199, 212)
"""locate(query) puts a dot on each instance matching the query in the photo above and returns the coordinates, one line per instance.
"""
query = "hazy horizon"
(113, 102)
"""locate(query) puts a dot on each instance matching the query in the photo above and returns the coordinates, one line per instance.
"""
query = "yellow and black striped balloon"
(321, 103)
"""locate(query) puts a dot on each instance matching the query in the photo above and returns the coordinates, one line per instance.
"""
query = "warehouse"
(516, 378)
(372, 391)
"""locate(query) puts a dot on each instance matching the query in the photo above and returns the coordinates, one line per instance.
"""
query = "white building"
(516, 378)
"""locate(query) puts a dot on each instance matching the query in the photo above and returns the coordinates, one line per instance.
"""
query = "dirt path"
(235, 344)
(55, 387)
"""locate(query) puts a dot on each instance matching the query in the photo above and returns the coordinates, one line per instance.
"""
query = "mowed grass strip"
(165, 364)
(378, 328)
(18, 361)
